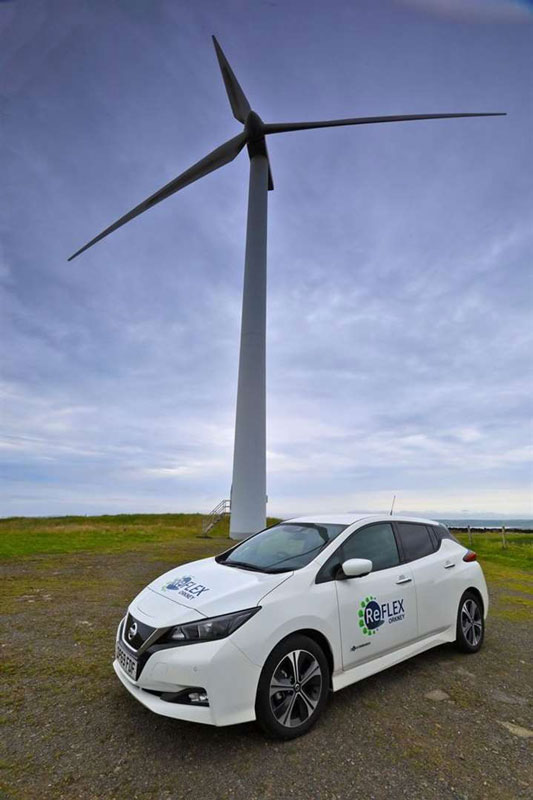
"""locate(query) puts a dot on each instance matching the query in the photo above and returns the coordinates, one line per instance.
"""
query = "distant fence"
(471, 529)
(487, 528)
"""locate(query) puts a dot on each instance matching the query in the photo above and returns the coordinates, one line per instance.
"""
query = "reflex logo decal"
(185, 586)
(372, 615)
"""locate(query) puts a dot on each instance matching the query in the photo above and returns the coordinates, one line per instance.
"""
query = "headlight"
(206, 630)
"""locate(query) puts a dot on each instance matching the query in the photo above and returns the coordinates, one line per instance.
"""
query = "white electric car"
(266, 629)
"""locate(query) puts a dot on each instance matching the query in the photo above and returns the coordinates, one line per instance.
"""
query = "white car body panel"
(212, 665)
(229, 669)
(214, 588)
(372, 666)
(298, 604)
(384, 586)
(161, 612)
(438, 587)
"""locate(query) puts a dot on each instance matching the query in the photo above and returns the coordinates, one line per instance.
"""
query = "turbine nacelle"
(254, 127)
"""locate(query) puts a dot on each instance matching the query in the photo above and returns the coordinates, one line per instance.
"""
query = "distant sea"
(510, 524)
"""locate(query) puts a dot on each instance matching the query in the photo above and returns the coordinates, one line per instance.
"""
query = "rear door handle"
(449, 565)
(404, 579)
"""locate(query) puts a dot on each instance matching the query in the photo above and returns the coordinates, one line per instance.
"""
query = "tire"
(291, 712)
(470, 623)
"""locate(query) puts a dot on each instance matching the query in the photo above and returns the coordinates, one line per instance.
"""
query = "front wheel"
(470, 623)
(293, 688)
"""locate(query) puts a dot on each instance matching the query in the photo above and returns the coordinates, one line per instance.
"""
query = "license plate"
(128, 662)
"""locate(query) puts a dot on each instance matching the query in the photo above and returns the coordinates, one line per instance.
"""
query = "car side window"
(375, 542)
(415, 540)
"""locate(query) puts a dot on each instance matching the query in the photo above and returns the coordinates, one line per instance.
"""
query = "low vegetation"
(28, 536)
(72, 732)
(517, 552)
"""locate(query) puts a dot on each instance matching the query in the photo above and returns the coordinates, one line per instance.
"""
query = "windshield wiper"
(242, 565)
(275, 570)
(253, 568)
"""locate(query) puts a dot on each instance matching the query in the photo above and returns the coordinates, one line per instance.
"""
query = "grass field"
(176, 538)
(160, 535)
(70, 732)
(27, 536)
(179, 536)
(518, 553)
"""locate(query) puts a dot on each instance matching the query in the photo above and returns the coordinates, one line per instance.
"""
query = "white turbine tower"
(248, 502)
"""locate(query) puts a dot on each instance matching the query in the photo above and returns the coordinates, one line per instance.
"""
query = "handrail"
(210, 520)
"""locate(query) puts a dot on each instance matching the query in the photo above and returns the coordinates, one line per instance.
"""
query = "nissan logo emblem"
(132, 631)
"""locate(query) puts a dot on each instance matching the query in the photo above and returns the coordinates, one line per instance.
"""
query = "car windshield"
(282, 548)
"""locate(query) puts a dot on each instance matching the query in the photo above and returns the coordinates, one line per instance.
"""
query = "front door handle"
(404, 579)
(449, 565)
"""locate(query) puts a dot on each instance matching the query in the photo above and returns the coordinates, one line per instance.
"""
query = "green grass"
(489, 547)
(28, 536)
(73, 577)
(509, 568)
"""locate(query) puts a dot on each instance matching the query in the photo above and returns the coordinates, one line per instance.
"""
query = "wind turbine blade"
(239, 104)
(217, 158)
(270, 178)
(285, 127)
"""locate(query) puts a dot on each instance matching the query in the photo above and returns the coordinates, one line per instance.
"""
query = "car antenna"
(392, 506)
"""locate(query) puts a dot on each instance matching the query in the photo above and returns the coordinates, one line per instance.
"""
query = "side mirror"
(356, 567)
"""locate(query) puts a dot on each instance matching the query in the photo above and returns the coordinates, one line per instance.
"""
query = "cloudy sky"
(400, 282)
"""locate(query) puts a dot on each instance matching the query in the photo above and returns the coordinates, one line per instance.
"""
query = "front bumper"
(228, 676)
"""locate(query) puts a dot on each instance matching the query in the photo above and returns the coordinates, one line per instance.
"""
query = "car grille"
(142, 632)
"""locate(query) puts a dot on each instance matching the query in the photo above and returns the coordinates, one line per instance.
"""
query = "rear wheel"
(293, 688)
(470, 623)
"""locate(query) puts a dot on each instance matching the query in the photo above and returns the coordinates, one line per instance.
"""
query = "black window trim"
(435, 543)
(430, 534)
(435, 538)
(442, 532)
(321, 577)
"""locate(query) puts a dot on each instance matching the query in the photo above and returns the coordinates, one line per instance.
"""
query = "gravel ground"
(442, 725)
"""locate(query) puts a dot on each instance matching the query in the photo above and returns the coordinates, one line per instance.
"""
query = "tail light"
(470, 556)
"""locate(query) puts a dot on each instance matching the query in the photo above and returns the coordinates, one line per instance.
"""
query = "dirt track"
(71, 731)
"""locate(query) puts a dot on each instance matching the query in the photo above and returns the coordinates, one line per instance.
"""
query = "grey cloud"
(399, 259)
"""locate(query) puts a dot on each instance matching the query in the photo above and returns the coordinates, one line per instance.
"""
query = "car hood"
(159, 611)
(211, 588)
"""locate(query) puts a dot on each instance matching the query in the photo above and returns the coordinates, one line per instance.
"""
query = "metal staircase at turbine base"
(210, 520)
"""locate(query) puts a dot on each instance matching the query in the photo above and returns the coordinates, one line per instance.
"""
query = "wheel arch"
(321, 640)
(475, 590)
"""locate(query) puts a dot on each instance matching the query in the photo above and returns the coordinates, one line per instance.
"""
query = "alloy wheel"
(471, 622)
(295, 688)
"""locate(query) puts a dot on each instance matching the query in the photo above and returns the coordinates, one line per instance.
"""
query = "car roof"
(350, 519)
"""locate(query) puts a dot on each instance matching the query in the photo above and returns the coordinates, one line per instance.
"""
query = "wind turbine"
(248, 501)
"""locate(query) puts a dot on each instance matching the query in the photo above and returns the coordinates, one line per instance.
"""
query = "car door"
(433, 570)
(377, 612)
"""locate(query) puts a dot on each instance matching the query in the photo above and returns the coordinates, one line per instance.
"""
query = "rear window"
(415, 539)
(442, 532)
